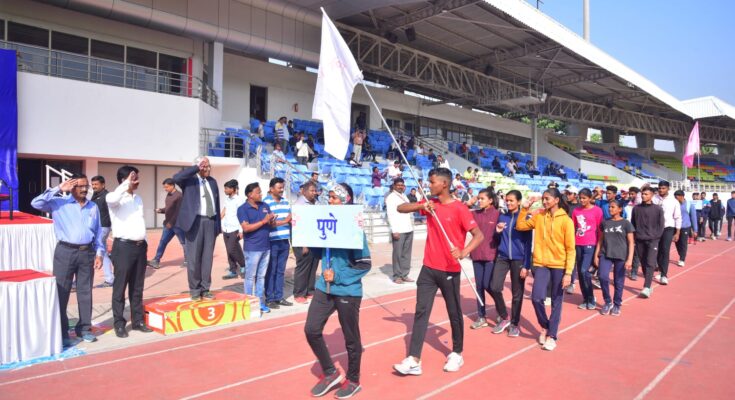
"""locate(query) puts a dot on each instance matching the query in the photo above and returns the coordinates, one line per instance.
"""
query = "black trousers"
(199, 242)
(235, 254)
(647, 251)
(683, 243)
(702, 227)
(348, 311)
(729, 226)
(429, 281)
(129, 260)
(664, 249)
(516, 285)
(715, 224)
(68, 263)
(304, 276)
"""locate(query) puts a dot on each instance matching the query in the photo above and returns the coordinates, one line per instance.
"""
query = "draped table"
(28, 241)
(30, 326)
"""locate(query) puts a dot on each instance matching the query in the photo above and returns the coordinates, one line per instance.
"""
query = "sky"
(686, 47)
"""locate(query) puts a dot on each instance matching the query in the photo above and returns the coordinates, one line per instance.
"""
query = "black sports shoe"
(142, 328)
(326, 383)
(208, 295)
(347, 390)
(121, 332)
(272, 305)
(284, 302)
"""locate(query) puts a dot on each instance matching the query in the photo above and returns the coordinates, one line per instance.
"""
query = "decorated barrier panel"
(174, 314)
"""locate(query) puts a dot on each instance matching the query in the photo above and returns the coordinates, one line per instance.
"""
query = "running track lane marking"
(535, 345)
(220, 339)
(682, 353)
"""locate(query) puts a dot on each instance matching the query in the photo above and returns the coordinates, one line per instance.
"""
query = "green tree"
(595, 137)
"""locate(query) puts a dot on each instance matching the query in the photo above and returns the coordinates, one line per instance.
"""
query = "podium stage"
(26, 242)
(177, 313)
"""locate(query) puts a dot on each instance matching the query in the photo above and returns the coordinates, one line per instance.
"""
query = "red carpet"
(20, 218)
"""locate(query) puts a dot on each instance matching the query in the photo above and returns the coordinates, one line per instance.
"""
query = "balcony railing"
(40, 60)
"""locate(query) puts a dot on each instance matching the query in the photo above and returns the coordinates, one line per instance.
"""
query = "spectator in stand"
(411, 143)
(307, 260)
(582, 175)
(278, 159)
(443, 163)
(468, 175)
(261, 129)
(510, 168)
(420, 150)
(282, 134)
(463, 150)
(432, 156)
(367, 151)
(648, 221)
(716, 214)
(171, 211)
(395, 171)
(199, 218)
(561, 173)
(730, 214)
(476, 175)
(531, 169)
(672, 226)
(401, 226)
(378, 177)
(352, 161)
(98, 197)
(79, 250)
(470, 200)
(279, 247)
(232, 231)
(302, 150)
(457, 183)
(357, 140)
(496, 164)
(256, 220)
(688, 226)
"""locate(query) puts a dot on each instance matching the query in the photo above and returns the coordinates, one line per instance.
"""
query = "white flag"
(338, 75)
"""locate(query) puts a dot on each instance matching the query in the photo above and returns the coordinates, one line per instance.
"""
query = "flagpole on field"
(423, 194)
(337, 76)
(699, 174)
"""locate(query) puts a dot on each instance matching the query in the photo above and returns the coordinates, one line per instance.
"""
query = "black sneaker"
(196, 297)
(347, 390)
(155, 264)
(208, 295)
(272, 305)
(284, 302)
(326, 383)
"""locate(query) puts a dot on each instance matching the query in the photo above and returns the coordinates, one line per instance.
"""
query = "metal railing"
(221, 143)
(44, 61)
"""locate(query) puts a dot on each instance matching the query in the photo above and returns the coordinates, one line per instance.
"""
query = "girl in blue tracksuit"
(344, 294)
(514, 255)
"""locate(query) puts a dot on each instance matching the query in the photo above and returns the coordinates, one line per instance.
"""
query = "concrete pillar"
(534, 140)
(578, 130)
(610, 135)
(215, 58)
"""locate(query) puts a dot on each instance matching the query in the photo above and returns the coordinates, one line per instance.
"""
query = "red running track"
(678, 344)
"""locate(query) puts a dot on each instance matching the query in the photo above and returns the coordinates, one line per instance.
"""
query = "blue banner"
(9, 124)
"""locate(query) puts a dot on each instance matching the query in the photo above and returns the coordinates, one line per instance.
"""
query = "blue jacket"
(349, 267)
(603, 204)
(514, 244)
(689, 219)
(731, 208)
(188, 181)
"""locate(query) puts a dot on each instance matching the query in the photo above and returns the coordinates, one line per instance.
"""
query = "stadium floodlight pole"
(415, 177)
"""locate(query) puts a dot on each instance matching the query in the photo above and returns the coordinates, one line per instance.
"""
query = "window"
(408, 126)
(26, 34)
(108, 51)
(69, 43)
(393, 123)
(141, 57)
(2, 29)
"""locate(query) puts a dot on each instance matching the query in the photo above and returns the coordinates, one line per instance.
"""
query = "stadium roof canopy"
(502, 56)
(711, 110)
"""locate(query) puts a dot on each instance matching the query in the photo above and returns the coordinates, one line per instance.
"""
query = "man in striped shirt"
(279, 235)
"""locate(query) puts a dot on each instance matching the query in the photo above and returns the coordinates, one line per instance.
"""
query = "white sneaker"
(547, 302)
(408, 366)
(680, 263)
(542, 337)
(454, 362)
(729, 239)
(550, 344)
(663, 280)
(570, 289)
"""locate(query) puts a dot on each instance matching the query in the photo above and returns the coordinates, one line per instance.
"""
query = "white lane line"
(535, 346)
(682, 353)
(187, 346)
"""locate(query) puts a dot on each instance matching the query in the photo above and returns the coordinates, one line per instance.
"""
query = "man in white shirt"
(442, 162)
(672, 225)
(129, 249)
(231, 229)
(302, 150)
(401, 226)
(282, 135)
(510, 168)
(394, 171)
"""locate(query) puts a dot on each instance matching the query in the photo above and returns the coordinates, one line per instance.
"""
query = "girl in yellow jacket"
(554, 254)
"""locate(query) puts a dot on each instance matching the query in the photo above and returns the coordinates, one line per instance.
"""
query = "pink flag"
(692, 146)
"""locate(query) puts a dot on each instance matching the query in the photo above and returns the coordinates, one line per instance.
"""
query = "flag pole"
(699, 173)
(415, 177)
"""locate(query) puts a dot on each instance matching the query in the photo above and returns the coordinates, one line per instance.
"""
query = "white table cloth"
(27, 246)
(30, 326)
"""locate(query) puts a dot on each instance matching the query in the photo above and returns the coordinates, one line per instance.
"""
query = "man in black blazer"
(199, 218)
